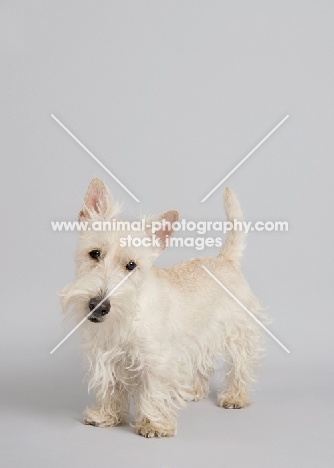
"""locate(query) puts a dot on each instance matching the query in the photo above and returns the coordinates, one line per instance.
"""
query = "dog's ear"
(97, 200)
(162, 227)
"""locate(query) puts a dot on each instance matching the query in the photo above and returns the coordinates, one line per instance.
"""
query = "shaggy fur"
(165, 327)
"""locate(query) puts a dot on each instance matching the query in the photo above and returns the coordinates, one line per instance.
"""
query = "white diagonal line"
(95, 158)
(245, 308)
(90, 313)
(246, 157)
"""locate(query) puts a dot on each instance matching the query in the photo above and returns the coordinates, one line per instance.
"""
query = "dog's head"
(112, 269)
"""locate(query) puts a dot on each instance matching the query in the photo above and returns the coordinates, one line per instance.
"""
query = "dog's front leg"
(155, 409)
(110, 410)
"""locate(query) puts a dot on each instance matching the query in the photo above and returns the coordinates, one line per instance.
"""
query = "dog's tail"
(235, 239)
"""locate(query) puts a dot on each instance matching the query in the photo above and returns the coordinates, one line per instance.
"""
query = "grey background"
(170, 95)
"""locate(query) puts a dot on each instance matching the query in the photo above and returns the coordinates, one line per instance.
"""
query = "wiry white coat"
(165, 327)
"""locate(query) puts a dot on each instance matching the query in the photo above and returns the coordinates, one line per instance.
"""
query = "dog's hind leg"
(241, 362)
(199, 388)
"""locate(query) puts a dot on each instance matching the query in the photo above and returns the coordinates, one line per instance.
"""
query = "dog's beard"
(105, 344)
(75, 302)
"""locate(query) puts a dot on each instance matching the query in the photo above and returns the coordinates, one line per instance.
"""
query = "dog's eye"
(95, 254)
(131, 266)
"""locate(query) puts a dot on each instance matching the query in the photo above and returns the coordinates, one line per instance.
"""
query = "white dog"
(157, 336)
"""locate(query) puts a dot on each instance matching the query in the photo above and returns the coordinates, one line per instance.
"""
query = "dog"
(156, 338)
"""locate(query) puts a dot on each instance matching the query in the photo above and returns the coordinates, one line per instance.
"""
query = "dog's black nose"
(101, 310)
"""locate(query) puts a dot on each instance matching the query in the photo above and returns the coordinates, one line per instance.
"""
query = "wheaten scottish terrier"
(157, 336)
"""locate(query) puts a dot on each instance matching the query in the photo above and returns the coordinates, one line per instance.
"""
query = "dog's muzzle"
(100, 311)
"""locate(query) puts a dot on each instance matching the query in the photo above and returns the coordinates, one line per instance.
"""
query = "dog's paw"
(98, 418)
(148, 429)
(90, 422)
(102, 422)
(232, 402)
(196, 394)
(198, 391)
